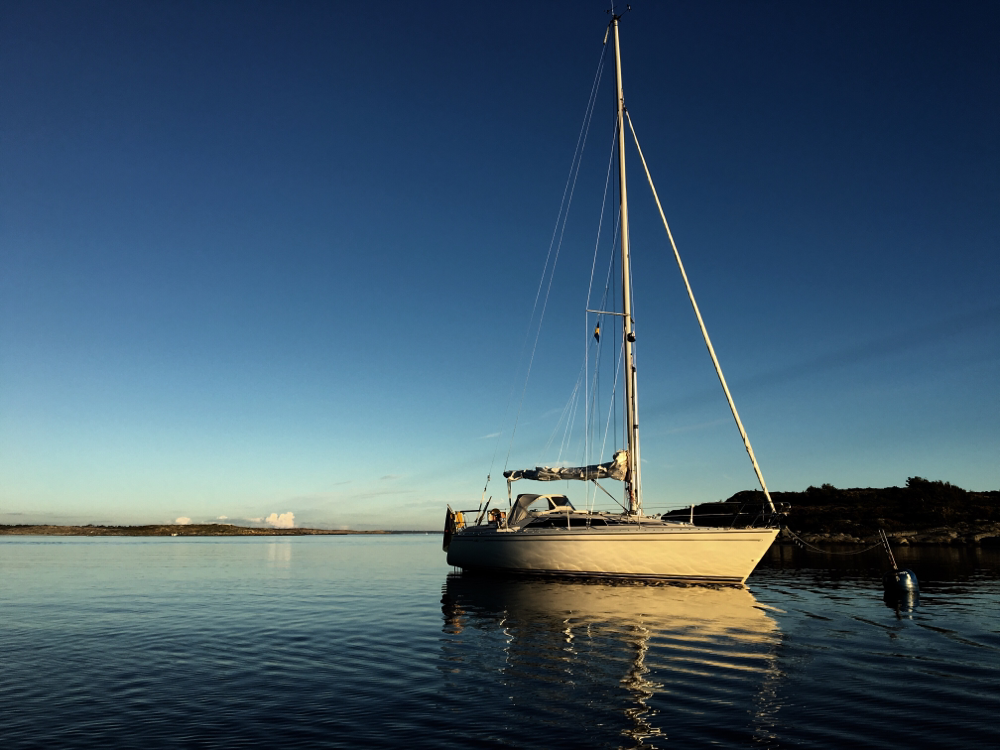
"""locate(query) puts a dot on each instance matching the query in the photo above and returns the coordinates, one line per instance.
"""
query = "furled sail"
(614, 469)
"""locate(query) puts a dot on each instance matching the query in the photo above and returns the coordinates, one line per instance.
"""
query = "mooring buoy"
(897, 581)
(902, 581)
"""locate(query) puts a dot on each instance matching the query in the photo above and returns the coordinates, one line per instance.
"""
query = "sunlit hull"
(666, 552)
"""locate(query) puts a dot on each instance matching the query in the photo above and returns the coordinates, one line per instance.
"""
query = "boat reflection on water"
(641, 661)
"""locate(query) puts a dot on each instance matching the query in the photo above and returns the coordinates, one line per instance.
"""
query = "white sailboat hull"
(679, 553)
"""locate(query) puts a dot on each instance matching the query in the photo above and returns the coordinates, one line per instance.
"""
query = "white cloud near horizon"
(281, 521)
(182, 521)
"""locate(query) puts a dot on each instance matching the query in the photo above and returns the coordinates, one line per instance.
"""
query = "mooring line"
(804, 544)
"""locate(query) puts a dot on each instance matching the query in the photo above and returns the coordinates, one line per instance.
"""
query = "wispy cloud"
(860, 353)
(487, 437)
(370, 495)
(390, 476)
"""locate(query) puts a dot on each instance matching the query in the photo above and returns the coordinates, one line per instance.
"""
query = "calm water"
(355, 641)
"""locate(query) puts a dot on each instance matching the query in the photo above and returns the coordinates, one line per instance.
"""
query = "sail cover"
(614, 469)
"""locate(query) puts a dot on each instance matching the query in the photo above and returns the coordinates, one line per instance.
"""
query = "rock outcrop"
(922, 512)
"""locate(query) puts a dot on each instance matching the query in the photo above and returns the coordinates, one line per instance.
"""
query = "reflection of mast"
(642, 689)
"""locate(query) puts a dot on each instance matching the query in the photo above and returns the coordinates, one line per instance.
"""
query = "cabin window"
(557, 521)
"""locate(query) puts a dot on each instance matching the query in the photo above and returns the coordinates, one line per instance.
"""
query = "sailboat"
(546, 534)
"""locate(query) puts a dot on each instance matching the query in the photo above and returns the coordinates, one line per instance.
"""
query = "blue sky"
(264, 258)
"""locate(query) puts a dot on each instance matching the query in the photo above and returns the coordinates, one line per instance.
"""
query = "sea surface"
(358, 641)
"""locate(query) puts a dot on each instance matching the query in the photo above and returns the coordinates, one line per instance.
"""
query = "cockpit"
(532, 505)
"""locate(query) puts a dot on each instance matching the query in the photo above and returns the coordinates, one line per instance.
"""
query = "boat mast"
(632, 484)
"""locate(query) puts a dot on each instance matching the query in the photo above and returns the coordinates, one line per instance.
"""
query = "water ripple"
(348, 642)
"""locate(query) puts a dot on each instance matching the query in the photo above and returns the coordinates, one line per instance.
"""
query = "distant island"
(922, 512)
(191, 529)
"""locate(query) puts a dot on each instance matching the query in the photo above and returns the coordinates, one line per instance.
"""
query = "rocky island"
(922, 512)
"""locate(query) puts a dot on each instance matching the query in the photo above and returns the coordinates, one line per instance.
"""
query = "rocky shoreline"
(921, 512)
(961, 534)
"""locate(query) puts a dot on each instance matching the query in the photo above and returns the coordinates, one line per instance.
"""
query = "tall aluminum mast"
(633, 484)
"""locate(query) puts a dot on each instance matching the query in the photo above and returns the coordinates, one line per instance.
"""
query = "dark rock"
(922, 512)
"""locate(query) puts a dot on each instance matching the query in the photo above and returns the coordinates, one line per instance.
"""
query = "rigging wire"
(600, 223)
(608, 286)
(527, 333)
(613, 405)
(701, 323)
(568, 432)
(614, 390)
(609, 495)
(607, 281)
(592, 407)
(562, 218)
(563, 416)
(590, 286)
(584, 377)
(604, 299)
(637, 445)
